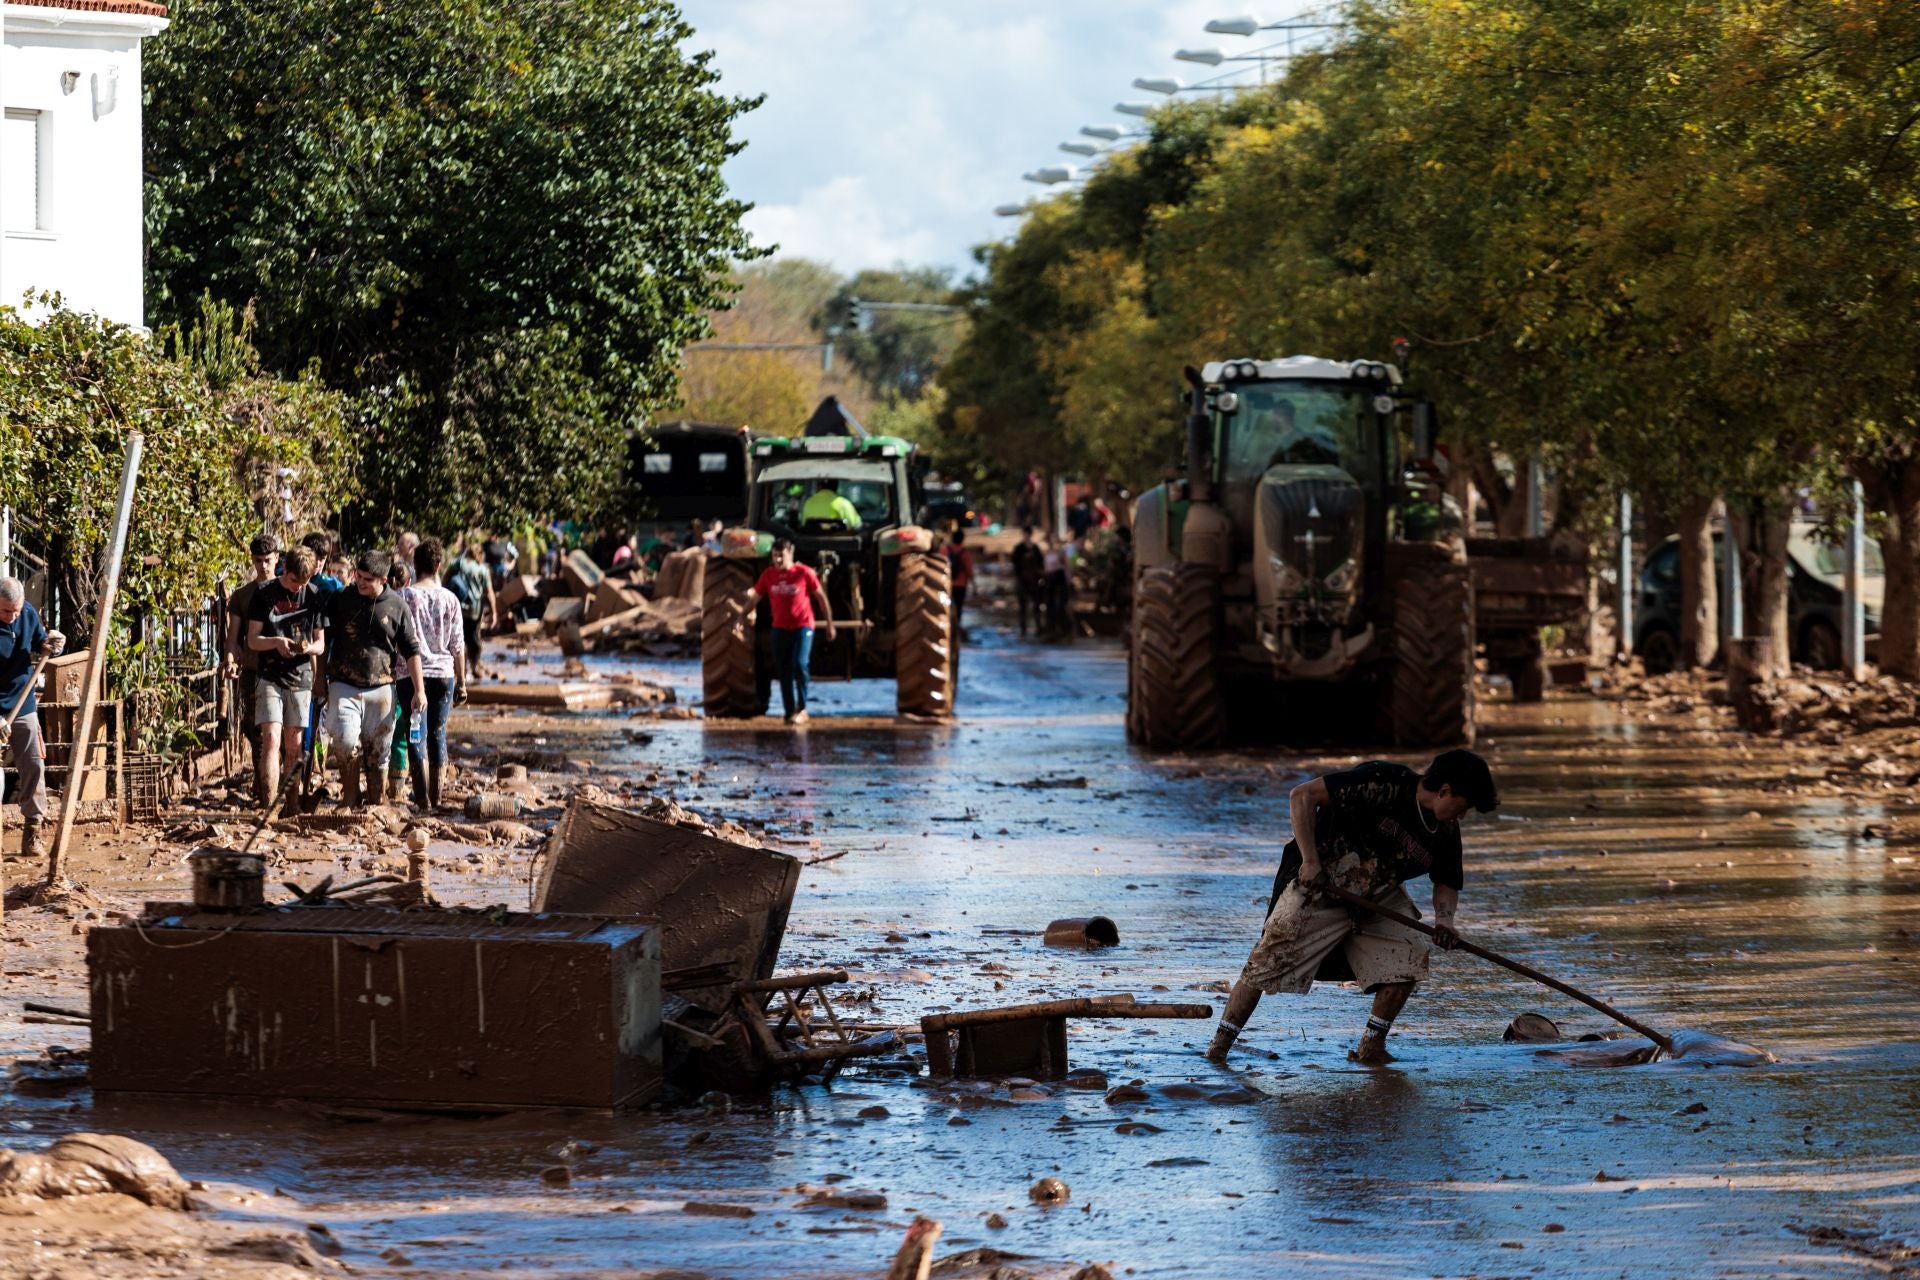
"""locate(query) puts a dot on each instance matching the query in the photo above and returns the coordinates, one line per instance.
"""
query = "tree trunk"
(1699, 587)
(1893, 488)
(1761, 529)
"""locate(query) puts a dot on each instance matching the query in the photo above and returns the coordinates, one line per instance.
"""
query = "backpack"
(462, 589)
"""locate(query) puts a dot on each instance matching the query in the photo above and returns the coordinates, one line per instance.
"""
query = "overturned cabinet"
(433, 1009)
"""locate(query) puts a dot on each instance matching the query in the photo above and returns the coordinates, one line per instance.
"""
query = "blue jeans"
(792, 648)
(439, 707)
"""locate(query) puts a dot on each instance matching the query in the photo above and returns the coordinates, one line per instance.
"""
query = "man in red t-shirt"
(792, 589)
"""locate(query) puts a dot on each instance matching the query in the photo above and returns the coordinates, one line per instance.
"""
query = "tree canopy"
(496, 227)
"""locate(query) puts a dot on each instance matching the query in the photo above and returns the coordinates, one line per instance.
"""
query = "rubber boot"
(1240, 1007)
(433, 786)
(377, 784)
(417, 776)
(30, 846)
(349, 784)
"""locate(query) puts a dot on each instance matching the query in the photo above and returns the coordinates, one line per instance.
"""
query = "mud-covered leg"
(1240, 1007)
(1388, 1001)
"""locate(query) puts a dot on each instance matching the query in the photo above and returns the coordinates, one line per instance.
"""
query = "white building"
(70, 160)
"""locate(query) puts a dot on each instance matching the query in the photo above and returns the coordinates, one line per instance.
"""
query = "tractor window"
(1298, 423)
(873, 500)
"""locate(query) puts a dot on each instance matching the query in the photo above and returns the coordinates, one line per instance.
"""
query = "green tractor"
(1301, 576)
(888, 584)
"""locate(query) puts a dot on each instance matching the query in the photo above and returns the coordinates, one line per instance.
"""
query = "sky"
(891, 128)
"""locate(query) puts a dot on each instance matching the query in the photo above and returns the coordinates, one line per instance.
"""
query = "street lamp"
(1244, 25)
(1080, 148)
(1104, 132)
(1134, 108)
(1158, 84)
(1009, 210)
(1048, 175)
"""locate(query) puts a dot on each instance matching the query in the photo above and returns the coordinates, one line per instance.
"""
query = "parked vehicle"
(687, 471)
(1816, 576)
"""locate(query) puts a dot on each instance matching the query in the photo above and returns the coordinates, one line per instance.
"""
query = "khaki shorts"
(1302, 934)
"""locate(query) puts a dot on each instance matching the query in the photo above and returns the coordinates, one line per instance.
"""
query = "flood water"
(1652, 866)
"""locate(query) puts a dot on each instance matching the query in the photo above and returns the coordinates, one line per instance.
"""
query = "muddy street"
(1686, 876)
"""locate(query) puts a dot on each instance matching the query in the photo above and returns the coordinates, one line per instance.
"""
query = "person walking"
(242, 666)
(1029, 579)
(472, 586)
(1058, 567)
(372, 640)
(1368, 830)
(325, 580)
(24, 639)
(960, 565)
(443, 668)
(285, 634)
(792, 589)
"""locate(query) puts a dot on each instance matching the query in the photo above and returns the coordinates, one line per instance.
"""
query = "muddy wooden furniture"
(454, 1010)
(1026, 1039)
(721, 907)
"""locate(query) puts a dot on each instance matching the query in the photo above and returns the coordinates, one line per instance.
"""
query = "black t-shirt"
(1029, 564)
(368, 639)
(1373, 811)
(293, 614)
(240, 605)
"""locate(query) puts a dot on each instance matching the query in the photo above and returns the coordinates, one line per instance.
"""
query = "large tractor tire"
(1430, 698)
(729, 677)
(926, 652)
(1173, 686)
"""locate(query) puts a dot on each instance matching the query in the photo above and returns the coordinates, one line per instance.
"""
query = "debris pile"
(1829, 706)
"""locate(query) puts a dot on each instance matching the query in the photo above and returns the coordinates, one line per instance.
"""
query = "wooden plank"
(571, 695)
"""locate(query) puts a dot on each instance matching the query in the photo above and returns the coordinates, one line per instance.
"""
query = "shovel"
(1686, 1043)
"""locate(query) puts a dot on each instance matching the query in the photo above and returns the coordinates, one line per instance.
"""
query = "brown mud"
(1765, 890)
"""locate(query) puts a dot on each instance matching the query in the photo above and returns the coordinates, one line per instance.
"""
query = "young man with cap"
(1368, 830)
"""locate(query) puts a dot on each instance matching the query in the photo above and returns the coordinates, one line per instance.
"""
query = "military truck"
(1301, 578)
(889, 586)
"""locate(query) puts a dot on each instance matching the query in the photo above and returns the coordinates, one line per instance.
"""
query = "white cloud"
(841, 221)
(891, 129)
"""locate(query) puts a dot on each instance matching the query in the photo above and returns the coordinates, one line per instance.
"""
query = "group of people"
(375, 650)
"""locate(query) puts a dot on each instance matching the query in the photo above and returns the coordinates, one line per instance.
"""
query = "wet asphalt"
(1652, 865)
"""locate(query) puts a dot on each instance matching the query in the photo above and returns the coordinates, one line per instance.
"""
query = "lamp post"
(1134, 108)
(1053, 174)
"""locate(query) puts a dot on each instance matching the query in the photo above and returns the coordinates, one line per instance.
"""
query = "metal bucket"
(224, 880)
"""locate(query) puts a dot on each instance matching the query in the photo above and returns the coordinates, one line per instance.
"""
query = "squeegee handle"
(1525, 971)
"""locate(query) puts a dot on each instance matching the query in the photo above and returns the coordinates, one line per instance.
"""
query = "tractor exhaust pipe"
(1207, 536)
(1199, 440)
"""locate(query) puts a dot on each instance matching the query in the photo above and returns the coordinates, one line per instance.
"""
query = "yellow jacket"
(825, 504)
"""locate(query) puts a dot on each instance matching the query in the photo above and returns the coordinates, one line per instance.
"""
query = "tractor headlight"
(1287, 580)
(1341, 580)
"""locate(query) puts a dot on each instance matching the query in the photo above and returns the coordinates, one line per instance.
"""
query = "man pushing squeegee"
(1359, 835)
(1338, 911)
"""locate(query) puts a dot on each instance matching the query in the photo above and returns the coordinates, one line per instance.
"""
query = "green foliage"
(1619, 232)
(492, 225)
(73, 387)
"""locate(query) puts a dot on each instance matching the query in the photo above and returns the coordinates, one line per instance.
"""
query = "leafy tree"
(497, 227)
(72, 387)
(897, 352)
